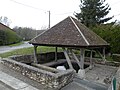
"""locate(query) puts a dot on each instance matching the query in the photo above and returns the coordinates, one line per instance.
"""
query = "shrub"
(110, 33)
(116, 57)
(8, 37)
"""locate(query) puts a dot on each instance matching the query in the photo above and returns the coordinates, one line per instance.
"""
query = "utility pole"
(49, 19)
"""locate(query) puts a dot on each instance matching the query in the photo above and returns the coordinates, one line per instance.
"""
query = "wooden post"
(75, 57)
(81, 71)
(55, 53)
(82, 58)
(91, 62)
(104, 54)
(35, 54)
(67, 58)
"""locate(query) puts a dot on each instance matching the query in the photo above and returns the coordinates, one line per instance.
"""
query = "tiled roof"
(4, 27)
(71, 33)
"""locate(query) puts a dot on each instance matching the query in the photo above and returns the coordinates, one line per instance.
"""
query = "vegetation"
(17, 52)
(43, 49)
(16, 44)
(93, 12)
(110, 33)
(7, 36)
(4, 20)
(29, 50)
(93, 15)
(27, 33)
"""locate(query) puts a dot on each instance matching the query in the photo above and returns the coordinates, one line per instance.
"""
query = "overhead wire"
(28, 5)
(39, 8)
(55, 14)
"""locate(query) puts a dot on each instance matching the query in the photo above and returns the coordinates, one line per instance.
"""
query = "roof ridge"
(6, 26)
(80, 31)
(37, 36)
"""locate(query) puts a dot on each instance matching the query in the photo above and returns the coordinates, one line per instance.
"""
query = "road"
(4, 49)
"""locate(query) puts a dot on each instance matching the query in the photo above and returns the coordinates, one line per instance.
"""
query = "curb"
(14, 82)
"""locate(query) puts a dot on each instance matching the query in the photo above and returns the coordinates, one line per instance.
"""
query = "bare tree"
(4, 20)
(27, 33)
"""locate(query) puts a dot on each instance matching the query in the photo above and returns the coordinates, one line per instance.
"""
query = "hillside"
(8, 36)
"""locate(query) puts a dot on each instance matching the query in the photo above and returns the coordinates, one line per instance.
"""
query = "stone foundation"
(42, 58)
(50, 56)
(47, 76)
(101, 62)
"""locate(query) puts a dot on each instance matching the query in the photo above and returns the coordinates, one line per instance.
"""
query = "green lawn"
(29, 50)
(17, 44)
(41, 49)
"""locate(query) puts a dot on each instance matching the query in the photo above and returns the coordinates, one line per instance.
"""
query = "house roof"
(4, 27)
(69, 33)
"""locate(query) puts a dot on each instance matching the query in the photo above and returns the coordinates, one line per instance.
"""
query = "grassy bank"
(29, 50)
(17, 44)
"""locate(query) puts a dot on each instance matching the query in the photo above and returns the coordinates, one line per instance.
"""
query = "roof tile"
(69, 32)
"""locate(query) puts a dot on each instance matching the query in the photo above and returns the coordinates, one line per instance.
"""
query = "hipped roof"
(69, 33)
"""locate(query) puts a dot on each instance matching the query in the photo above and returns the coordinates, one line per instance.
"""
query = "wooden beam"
(67, 58)
(82, 51)
(91, 62)
(104, 54)
(75, 57)
(55, 53)
(35, 54)
(43, 67)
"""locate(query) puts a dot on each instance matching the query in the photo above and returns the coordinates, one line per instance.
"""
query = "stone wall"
(100, 61)
(52, 78)
(50, 56)
(42, 58)
(116, 57)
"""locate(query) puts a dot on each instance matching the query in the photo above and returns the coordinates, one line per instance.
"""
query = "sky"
(34, 13)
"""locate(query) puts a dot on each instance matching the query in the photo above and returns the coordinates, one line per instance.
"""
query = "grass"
(29, 50)
(17, 44)
(109, 58)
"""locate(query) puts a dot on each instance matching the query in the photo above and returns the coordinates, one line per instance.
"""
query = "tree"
(93, 12)
(4, 20)
(27, 33)
(2, 37)
(111, 34)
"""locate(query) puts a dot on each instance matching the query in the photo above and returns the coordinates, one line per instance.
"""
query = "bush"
(8, 37)
(116, 57)
(2, 37)
(27, 33)
(110, 33)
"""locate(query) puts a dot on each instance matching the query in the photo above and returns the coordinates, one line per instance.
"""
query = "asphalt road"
(4, 49)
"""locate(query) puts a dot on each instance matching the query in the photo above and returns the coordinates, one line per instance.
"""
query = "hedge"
(8, 37)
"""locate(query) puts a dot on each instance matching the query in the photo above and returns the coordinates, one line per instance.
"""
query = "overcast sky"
(34, 13)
